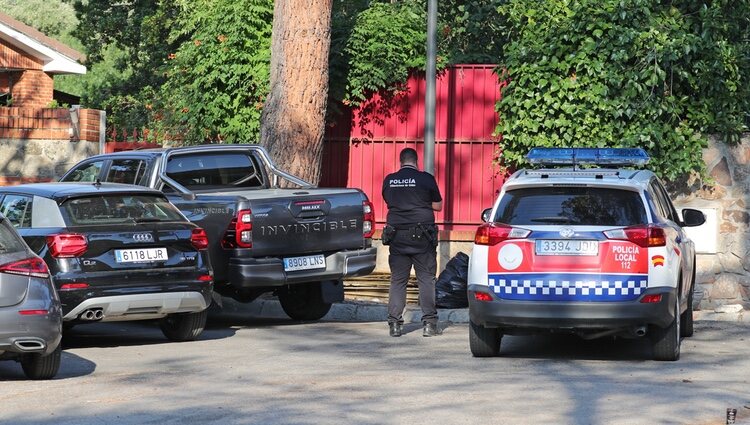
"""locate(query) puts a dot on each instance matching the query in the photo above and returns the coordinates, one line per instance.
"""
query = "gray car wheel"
(37, 366)
(184, 326)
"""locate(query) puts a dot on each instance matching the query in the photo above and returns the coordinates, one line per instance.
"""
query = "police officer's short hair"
(408, 155)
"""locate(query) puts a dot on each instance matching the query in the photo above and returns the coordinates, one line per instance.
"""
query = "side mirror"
(692, 218)
(486, 214)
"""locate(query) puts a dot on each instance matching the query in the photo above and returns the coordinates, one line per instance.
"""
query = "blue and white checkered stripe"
(568, 287)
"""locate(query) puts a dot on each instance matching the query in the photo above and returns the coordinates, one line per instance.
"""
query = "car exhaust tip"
(92, 314)
(640, 331)
(29, 345)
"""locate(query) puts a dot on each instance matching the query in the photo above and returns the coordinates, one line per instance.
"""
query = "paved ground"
(271, 371)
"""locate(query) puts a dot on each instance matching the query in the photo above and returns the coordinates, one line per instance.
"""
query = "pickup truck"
(297, 242)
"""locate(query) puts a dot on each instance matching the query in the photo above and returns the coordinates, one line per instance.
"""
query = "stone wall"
(723, 266)
(24, 160)
(40, 144)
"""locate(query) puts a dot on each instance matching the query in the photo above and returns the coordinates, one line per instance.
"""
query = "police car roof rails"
(613, 157)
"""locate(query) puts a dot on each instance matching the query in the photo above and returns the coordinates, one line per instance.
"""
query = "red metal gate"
(363, 146)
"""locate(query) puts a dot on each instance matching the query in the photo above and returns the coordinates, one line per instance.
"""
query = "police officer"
(412, 197)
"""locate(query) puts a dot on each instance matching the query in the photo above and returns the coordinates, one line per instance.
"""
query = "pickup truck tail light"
(199, 239)
(368, 222)
(494, 233)
(239, 234)
(33, 266)
(67, 245)
(644, 236)
(243, 229)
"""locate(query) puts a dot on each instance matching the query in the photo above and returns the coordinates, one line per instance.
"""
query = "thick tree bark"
(293, 119)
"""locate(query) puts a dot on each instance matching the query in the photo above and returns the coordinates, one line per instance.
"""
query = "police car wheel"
(666, 341)
(686, 329)
(484, 342)
(303, 302)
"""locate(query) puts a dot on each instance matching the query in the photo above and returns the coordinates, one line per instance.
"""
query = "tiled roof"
(41, 38)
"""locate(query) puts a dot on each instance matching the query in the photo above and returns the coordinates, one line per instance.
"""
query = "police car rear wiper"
(551, 219)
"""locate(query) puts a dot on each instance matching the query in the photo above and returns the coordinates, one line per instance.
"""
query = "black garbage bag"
(450, 287)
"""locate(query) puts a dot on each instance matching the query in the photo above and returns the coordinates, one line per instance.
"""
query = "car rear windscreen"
(584, 206)
(214, 170)
(9, 241)
(118, 208)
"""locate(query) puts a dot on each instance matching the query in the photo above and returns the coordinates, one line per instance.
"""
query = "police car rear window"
(584, 206)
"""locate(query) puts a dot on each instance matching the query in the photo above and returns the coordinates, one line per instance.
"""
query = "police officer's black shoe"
(396, 329)
(430, 329)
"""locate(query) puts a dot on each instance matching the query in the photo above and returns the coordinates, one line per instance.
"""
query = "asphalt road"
(253, 371)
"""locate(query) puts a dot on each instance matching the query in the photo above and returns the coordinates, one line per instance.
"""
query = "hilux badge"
(566, 232)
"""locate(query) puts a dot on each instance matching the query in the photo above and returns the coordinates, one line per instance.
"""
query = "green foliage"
(54, 18)
(217, 79)
(386, 41)
(127, 43)
(598, 73)
(376, 44)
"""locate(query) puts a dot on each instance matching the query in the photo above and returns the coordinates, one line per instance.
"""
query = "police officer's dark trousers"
(401, 259)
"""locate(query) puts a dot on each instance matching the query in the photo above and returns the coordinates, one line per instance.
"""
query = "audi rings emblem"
(566, 232)
(143, 237)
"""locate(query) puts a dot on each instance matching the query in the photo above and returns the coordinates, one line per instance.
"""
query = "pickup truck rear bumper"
(263, 272)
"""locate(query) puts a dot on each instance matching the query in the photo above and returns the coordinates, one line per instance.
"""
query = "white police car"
(590, 251)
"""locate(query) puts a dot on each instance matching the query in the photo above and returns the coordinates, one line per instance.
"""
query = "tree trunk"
(293, 118)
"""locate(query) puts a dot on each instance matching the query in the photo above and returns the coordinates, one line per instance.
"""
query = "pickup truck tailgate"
(291, 222)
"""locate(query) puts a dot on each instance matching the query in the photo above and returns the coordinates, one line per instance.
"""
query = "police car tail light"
(199, 239)
(243, 229)
(67, 245)
(368, 222)
(650, 299)
(643, 236)
(482, 296)
(493, 233)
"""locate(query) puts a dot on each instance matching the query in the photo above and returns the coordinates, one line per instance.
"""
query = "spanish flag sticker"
(657, 260)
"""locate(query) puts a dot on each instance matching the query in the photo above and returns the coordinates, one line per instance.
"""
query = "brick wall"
(32, 90)
(35, 123)
(12, 58)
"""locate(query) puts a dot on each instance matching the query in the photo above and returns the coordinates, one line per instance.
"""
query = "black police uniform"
(409, 194)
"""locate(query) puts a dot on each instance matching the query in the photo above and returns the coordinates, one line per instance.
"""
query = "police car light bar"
(593, 156)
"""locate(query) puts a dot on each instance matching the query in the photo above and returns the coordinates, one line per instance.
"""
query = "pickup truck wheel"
(666, 341)
(37, 366)
(686, 329)
(303, 302)
(484, 342)
(184, 326)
